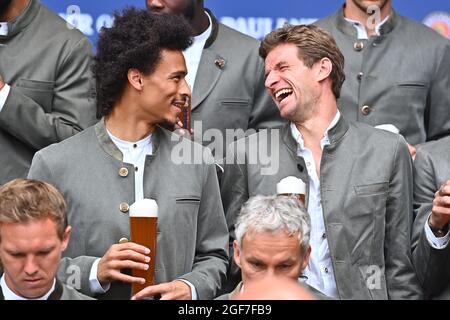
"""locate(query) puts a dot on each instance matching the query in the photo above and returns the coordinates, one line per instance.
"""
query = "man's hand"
(175, 290)
(440, 213)
(122, 256)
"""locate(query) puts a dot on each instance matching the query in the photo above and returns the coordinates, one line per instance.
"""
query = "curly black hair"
(135, 40)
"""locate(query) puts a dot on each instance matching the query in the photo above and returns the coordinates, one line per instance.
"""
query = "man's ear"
(135, 79)
(324, 68)
(66, 238)
(306, 256)
(237, 253)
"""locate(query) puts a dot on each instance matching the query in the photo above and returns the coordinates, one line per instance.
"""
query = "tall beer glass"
(143, 230)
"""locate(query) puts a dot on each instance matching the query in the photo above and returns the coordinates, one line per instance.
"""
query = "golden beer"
(143, 231)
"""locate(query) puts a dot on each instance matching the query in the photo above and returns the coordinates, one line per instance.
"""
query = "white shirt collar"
(127, 145)
(202, 37)
(8, 294)
(361, 29)
(325, 140)
(3, 28)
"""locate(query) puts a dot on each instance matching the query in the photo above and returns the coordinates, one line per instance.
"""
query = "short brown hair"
(313, 44)
(23, 200)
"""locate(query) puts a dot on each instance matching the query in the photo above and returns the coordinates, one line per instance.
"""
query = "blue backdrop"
(253, 17)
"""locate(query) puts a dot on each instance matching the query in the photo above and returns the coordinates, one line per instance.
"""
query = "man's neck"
(127, 125)
(367, 19)
(200, 21)
(14, 10)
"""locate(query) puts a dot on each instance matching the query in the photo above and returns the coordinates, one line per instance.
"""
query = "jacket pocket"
(371, 189)
(235, 103)
(41, 92)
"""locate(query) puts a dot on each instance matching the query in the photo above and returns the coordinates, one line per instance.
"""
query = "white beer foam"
(291, 185)
(145, 208)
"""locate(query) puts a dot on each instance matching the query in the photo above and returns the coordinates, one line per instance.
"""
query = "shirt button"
(135, 145)
(124, 207)
(326, 270)
(136, 169)
(366, 110)
(358, 46)
(324, 236)
(360, 75)
(123, 172)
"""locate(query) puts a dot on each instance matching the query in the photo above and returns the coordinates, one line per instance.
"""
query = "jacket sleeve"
(234, 191)
(400, 276)
(431, 264)
(71, 109)
(438, 101)
(211, 254)
(265, 113)
(74, 272)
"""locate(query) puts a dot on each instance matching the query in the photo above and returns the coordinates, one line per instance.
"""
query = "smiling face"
(165, 89)
(292, 85)
(270, 254)
(30, 253)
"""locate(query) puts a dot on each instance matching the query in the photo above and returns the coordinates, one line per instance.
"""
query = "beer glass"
(143, 231)
(292, 186)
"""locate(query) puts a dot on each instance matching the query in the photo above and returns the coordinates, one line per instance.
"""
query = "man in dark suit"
(226, 76)
(431, 236)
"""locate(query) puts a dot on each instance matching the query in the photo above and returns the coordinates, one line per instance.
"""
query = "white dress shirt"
(4, 92)
(361, 29)
(435, 242)
(193, 54)
(8, 294)
(319, 271)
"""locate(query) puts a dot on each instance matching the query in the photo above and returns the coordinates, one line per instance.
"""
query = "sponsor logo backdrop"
(253, 17)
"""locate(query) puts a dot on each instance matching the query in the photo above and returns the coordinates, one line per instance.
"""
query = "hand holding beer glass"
(292, 186)
(143, 230)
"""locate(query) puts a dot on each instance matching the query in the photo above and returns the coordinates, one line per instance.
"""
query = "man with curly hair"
(140, 72)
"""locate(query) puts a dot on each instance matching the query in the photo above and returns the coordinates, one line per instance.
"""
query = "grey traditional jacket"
(366, 192)
(431, 169)
(192, 233)
(47, 65)
(401, 77)
(229, 90)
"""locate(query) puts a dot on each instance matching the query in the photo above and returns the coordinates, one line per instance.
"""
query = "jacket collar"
(23, 20)
(347, 28)
(215, 29)
(110, 148)
(335, 134)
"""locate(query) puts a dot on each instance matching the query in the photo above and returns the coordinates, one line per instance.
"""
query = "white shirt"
(4, 92)
(319, 271)
(133, 153)
(8, 294)
(435, 242)
(361, 29)
(193, 54)
(3, 28)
